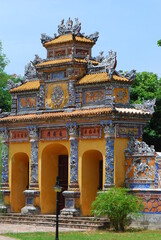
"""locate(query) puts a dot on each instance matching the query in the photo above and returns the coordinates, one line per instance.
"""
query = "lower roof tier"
(85, 113)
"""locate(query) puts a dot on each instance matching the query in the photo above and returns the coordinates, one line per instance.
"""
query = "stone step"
(49, 220)
(69, 225)
(51, 216)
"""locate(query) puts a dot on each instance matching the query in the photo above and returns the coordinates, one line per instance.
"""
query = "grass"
(102, 235)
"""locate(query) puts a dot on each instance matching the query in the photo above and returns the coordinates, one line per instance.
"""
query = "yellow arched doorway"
(54, 162)
(19, 180)
(92, 167)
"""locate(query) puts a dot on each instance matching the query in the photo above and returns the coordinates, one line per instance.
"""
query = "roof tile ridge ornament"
(107, 63)
(30, 70)
(69, 27)
(146, 106)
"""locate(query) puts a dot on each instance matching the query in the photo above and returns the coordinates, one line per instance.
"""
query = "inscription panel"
(128, 131)
(90, 132)
(53, 134)
(19, 135)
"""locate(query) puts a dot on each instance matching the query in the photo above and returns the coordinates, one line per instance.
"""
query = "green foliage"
(159, 43)
(5, 97)
(3, 60)
(148, 86)
(117, 204)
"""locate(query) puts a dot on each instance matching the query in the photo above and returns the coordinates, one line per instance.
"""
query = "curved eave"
(132, 112)
(56, 115)
(62, 62)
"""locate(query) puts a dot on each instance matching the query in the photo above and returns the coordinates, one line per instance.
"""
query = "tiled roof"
(63, 60)
(99, 77)
(68, 38)
(76, 113)
(28, 86)
(42, 116)
(54, 62)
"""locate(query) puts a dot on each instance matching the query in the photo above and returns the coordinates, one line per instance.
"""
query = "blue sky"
(129, 27)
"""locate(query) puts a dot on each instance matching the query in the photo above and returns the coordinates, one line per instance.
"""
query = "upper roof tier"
(67, 33)
(68, 38)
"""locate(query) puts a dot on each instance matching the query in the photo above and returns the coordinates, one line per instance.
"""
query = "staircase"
(50, 221)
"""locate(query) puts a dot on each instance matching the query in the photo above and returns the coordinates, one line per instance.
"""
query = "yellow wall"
(90, 152)
(120, 145)
(19, 156)
(16, 148)
(20, 163)
(49, 172)
(90, 179)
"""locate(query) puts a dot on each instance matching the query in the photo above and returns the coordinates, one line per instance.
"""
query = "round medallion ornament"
(57, 96)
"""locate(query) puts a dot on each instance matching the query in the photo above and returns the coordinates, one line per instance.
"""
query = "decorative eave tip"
(69, 27)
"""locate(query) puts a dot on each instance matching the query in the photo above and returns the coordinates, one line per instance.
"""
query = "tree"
(148, 86)
(159, 43)
(118, 205)
(5, 97)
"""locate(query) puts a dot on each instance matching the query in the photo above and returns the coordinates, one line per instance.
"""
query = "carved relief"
(136, 147)
(56, 95)
(27, 103)
(94, 97)
(141, 171)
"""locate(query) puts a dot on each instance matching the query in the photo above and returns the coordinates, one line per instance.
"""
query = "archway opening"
(20, 180)
(54, 163)
(92, 175)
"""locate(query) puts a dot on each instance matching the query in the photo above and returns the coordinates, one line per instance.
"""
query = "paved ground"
(15, 228)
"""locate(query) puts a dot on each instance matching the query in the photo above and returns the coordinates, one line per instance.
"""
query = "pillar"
(72, 195)
(33, 190)
(109, 135)
(4, 171)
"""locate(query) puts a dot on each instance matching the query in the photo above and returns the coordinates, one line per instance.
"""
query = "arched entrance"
(92, 167)
(54, 163)
(19, 181)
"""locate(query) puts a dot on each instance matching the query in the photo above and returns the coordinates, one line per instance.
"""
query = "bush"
(117, 204)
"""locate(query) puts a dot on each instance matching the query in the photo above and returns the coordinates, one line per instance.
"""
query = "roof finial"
(69, 27)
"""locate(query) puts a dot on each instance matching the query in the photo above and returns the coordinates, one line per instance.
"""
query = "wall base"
(29, 205)
(71, 203)
(147, 221)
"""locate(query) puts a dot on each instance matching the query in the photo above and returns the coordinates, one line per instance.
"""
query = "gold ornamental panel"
(121, 95)
(56, 95)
